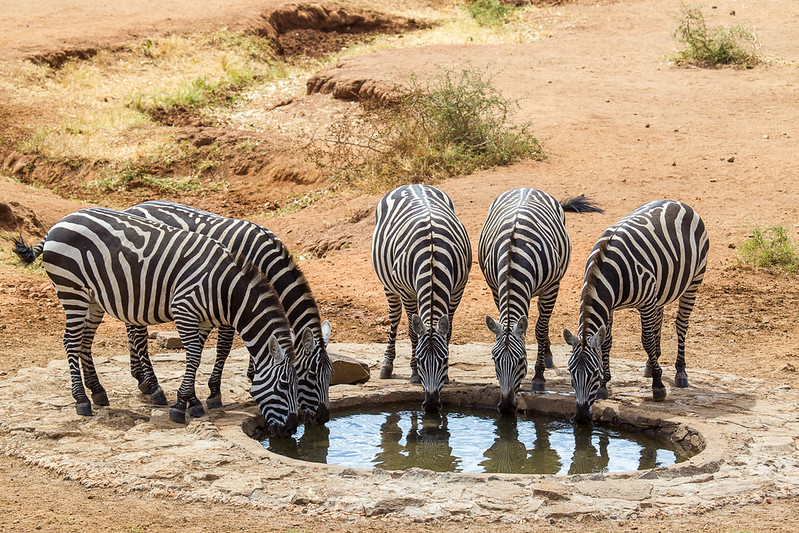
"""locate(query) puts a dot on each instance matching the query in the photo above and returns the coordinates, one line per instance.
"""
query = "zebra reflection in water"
(426, 444)
(312, 446)
(587, 458)
(508, 454)
(544, 459)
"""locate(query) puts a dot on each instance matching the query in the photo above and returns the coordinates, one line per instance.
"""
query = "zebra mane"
(592, 274)
(261, 282)
(300, 281)
(504, 281)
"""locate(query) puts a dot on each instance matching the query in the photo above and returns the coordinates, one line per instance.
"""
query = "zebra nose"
(290, 427)
(507, 404)
(583, 414)
(322, 414)
(432, 402)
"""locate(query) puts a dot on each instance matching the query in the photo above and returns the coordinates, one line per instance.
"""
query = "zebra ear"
(442, 329)
(417, 325)
(597, 338)
(307, 340)
(570, 338)
(275, 351)
(493, 326)
(521, 327)
(326, 329)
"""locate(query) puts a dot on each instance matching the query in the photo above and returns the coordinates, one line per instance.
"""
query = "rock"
(391, 505)
(169, 340)
(348, 371)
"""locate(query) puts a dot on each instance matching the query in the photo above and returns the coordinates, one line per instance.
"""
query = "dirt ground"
(622, 125)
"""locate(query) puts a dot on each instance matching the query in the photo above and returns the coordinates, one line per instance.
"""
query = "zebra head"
(585, 367)
(432, 360)
(274, 388)
(510, 360)
(314, 370)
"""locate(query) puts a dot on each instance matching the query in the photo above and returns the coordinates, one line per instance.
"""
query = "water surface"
(401, 436)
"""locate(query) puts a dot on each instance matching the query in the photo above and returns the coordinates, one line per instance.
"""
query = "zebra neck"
(593, 317)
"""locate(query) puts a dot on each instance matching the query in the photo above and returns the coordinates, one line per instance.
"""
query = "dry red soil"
(621, 124)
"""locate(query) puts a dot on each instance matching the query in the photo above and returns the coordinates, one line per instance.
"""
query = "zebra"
(266, 251)
(105, 261)
(524, 252)
(655, 255)
(422, 256)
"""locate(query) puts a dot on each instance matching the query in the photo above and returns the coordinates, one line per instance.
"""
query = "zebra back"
(420, 248)
(649, 257)
(523, 250)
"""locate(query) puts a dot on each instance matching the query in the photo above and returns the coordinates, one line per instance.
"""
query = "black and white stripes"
(104, 261)
(422, 256)
(524, 252)
(654, 256)
(266, 251)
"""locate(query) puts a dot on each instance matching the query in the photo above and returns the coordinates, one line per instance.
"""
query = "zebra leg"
(140, 358)
(224, 343)
(659, 328)
(190, 335)
(394, 316)
(454, 302)
(94, 316)
(76, 315)
(651, 316)
(604, 391)
(135, 339)
(411, 308)
(687, 301)
(543, 360)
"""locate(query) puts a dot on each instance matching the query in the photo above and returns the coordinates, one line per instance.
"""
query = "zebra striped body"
(104, 261)
(422, 256)
(524, 252)
(264, 250)
(652, 257)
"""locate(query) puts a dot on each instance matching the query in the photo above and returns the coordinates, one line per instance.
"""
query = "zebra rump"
(422, 256)
(272, 259)
(105, 261)
(524, 252)
(652, 257)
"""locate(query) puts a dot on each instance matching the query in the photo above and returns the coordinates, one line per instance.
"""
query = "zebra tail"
(27, 253)
(581, 204)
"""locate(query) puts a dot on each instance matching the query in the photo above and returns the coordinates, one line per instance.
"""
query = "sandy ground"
(622, 125)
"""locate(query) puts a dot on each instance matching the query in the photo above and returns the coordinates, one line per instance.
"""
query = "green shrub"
(723, 45)
(489, 12)
(457, 123)
(770, 249)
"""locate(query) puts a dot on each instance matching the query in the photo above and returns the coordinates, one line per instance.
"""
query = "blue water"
(401, 436)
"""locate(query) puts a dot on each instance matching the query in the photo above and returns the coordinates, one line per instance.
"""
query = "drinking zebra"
(422, 256)
(265, 250)
(655, 255)
(105, 261)
(524, 252)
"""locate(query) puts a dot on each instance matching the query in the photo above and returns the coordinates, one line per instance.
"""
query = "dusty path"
(622, 125)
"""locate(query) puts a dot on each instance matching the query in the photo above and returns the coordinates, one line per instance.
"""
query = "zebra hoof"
(681, 380)
(549, 362)
(84, 408)
(415, 379)
(214, 402)
(177, 415)
(386, 371)
(539, 386)
(603, 393)
(647, 371)
(196, 408)
(658, 393)
(158, 397)
(100, 398)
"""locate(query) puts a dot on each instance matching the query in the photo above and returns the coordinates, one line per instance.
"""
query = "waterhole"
(459, 439)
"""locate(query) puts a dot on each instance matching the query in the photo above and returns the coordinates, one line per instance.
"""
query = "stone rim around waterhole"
(556, 406)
